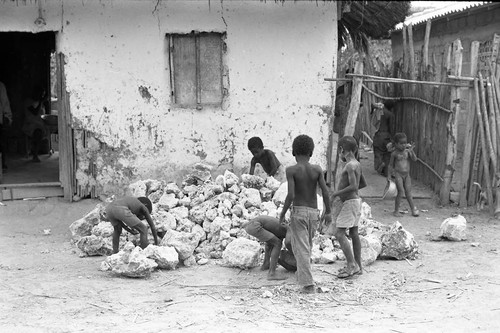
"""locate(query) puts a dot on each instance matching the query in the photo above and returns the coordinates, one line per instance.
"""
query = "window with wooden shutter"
(196, 69)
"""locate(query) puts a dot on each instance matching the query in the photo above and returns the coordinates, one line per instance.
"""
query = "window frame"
(198, 104)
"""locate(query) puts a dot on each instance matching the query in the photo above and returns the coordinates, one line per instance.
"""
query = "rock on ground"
(165, 256)
(94, 246)
(83, 226)
(130, 262)
(183, 242)
(371, 247)
(103, 229)
(242, 253)
(454, 228)
(398, 243)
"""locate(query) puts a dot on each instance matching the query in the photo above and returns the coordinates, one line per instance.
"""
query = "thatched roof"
(374, 19)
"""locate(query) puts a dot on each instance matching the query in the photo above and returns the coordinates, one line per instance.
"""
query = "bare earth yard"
(46, 287)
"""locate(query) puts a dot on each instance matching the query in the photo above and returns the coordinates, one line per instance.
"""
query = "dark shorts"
(254, 228)
(119, 214)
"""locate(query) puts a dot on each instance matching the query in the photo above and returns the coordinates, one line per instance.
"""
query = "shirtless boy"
(400, 166)
(268, 229)
(127, 213)
(266, 158)
(348, 215)
(303, 179)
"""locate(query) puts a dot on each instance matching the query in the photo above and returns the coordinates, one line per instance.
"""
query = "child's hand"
(327, 219)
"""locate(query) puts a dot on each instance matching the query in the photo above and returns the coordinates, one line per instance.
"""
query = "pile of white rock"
(202, 217)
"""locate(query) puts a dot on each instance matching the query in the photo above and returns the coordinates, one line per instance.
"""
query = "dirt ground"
(46, 287)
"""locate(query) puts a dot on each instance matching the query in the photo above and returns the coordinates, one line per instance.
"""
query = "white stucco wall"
(277, 57)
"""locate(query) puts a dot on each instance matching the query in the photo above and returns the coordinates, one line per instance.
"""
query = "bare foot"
(276, 277)
(308, 290)
(264, 267)
(415, 212)
(397, 214)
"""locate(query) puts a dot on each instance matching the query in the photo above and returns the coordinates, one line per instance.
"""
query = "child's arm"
(389, 167)
(145, 213)
(252, 166)
(326, 197)
(353, 181)
(116, 237)
(290, 195)
(412, 154)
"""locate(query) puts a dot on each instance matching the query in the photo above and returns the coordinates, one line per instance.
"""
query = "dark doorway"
(28, 71)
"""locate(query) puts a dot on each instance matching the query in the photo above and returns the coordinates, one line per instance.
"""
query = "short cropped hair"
(303, 145)
(399, 136)
(348, 144)
(255, 142)
(389, 105)
(146, 202)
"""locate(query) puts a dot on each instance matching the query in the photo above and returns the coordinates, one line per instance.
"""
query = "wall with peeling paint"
(117, 75)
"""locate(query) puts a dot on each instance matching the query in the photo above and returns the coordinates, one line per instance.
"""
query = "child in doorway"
(127, 213)
(266, 158)
(303, 179)
(349, 211)
(400, 166)
(268, 229)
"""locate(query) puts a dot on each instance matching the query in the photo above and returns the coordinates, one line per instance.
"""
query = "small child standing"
(266, 158)
(400, 164)
(349, 211)
(303, 179)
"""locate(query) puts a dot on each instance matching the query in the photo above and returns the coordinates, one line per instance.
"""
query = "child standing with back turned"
(400, 164)
(303, 179)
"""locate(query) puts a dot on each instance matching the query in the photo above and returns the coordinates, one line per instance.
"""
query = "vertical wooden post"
(405, 51)
(412, 52)
(474, 56)
(452, 126)
(482, 138)
(355, 100)
(425, 52)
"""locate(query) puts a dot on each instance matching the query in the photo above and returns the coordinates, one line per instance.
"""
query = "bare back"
(305, 181)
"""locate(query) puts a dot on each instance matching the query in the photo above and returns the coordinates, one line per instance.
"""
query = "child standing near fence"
(399, 165)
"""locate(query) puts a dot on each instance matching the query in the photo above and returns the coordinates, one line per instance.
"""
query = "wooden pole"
(425, 51)
(469, 129)
(492, 120)
(355, 100)
(482, 138)
(398, 80)
(486, 125)
(412, 52)
(452, 125)
(405, 52)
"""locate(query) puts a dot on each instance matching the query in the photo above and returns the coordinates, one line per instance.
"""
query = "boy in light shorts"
(347, 208)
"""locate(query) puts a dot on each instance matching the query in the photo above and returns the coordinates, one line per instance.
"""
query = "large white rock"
(270, 209)
(138, 189)
(83, 226)
(454, 228)
(242, 253)
(94, 246)
(183, 242)
(398, 243)
(272, 183)
(220, 223)
(165, 256)
(280, 195)
(252, 197)
(153, 185)
(168, 201)
(130, 262)
(266, 194)
(172, 188)
(366, 211)
(164, 220)
(103, 229)
(230, 179)
(180, 213)
(252, 181)
(371, 247)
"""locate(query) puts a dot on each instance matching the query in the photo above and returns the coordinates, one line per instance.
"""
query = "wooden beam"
(469, 128)
(452, 126)
(398, 80)
(405, 51)
(355, 100)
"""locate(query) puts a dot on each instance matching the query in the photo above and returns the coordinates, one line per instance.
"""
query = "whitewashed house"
(147, 88)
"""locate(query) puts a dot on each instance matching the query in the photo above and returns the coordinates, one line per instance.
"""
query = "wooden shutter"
(210, 62)
(184, 66)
